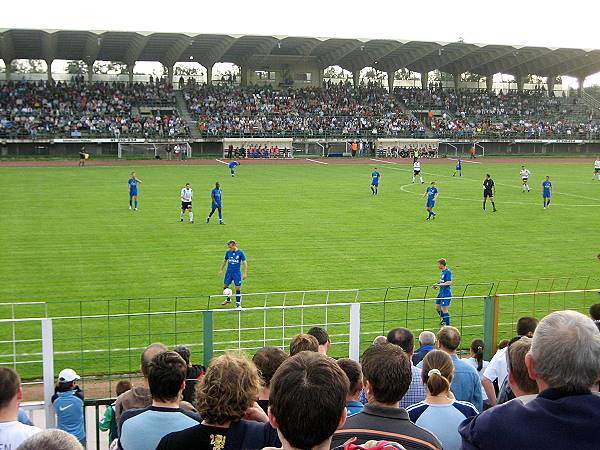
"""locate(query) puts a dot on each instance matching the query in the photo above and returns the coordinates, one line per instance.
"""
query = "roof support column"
(209, 74)
(320, 75)
(170, 71)
(356, 78)
(489, 82)
(8, 68)
(520, 82)
(456, 80)
(580, 80)
(49, 69)
(90, 72)
(390, 76)
(550, 85)
(424, 80)
(130, 67)
(243, 76)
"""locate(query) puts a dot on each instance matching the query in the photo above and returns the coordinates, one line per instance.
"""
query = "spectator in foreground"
(52, 439)
(595, 312)
(354, 373)
(465, 386)
(267, 360)
(143, 428)
(109, 421)
(503, 344)
(497, 369)
(322, 337)
(303, 342)
(68, 405)
(403, 338)
(426, 342)
(524, 388)
(387, 375)
(565, 414)
(12, 432)
(194, 373)
(440, 413)
(379, 340)
(307, 401)
(139, 396)
(479, 364)
(225, 397)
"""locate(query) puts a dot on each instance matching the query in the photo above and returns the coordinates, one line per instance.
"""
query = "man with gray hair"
(564, 361)
(426, 342)
(51, 440)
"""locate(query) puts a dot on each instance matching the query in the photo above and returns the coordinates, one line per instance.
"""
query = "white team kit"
(525, 177)
(417, 171)
(186, 203)
(597, 169)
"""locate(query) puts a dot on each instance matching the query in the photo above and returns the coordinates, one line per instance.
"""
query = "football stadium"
(246, 241)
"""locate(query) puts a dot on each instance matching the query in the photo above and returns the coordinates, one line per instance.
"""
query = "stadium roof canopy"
(261, 51)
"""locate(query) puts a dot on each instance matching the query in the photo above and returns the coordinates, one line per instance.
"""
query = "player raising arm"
(375, 177)
(237, 270)
(525, 178)
(547, 191)
(432, 193)
(489, 190)
(186, 203)
(133, 190)
(442, 302)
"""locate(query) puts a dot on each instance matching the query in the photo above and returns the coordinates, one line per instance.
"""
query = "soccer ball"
(227, 291)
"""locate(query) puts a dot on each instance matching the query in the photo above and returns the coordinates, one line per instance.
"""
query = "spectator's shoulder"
(130, 413)
(415, 411)
(178, 439)
(466, 408)
(486, 427)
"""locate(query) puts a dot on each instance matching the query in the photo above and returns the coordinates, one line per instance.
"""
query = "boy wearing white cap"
(68, 404)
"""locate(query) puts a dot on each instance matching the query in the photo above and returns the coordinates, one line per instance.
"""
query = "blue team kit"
(445, 293)
(234, 267)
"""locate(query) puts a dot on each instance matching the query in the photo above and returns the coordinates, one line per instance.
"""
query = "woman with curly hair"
(226, 400)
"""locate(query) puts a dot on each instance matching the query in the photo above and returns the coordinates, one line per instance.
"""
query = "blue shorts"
(216, 206)
(547, 195)
(430, 204)
(443, 301)
(374, 183)
(133, 192)
(235, 277)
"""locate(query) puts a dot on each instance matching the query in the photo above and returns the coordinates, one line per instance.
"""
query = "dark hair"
(123, 386)
(184, 352)
(64, 386)
(354, 373)
(150, 352)
(308, 397)
(228, 389)
(449, 337)
(166, 375)
(442, 261)
(595, 309)
(477, 347)
(267, 361)
(321, 335)
(9, 385)
(303, 342)
(403, 338)
(437, 360)
(526, 325)
(503, 344)
(388, 370)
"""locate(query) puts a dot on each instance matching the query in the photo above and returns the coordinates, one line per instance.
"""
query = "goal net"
(155, 150)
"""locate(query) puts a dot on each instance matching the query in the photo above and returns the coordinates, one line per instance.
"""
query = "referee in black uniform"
(489, 189)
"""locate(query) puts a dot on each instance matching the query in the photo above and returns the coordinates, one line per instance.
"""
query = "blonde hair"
(437, 372)
(230, 386)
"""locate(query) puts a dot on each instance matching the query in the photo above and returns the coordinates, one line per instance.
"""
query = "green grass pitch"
(67, 234)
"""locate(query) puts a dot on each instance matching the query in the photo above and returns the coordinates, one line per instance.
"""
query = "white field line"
(382, 161)
(318, 162)
(222, 162)
(465, 160)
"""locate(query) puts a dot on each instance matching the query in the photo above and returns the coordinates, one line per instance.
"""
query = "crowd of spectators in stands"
(75, 109)
(547, 377)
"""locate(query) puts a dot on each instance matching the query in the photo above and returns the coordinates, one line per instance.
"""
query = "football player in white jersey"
(417, 171)
(186, 203)
(525, 178)
(597, 169)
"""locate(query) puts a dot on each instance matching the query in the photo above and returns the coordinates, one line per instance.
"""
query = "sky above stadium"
(551, 23)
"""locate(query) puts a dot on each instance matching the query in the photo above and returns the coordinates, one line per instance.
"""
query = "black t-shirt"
(488, 184)
(242, 434)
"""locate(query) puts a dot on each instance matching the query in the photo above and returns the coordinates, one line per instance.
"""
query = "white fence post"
(48, 370)
(354, 334)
